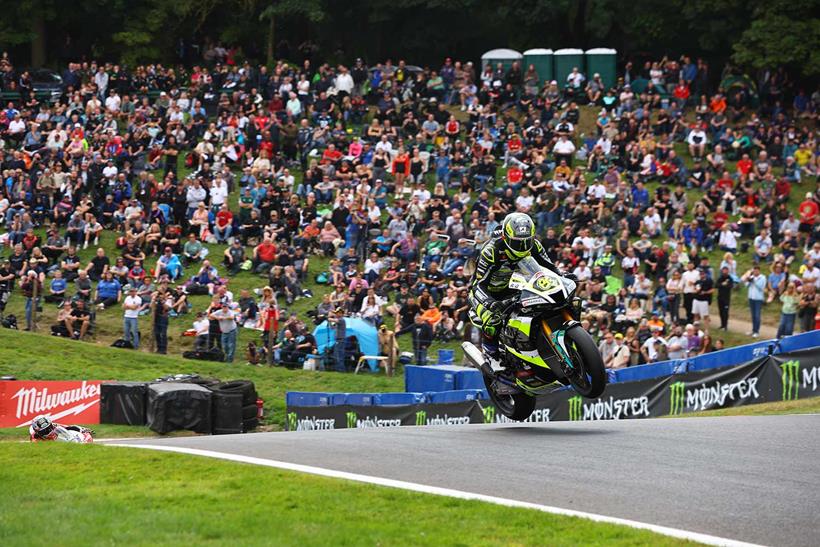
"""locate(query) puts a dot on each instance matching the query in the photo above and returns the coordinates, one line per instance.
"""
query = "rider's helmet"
(518, 234)
(43, 427)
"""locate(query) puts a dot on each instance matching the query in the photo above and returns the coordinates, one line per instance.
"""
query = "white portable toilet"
(504, 56)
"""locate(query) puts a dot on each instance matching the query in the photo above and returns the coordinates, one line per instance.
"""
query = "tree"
(782, 34)
(313, 10)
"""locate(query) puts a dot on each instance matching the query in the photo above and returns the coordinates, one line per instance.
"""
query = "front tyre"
(516, 407)
(588, 375)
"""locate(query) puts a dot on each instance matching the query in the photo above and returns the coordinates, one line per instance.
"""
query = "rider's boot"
(492, 354)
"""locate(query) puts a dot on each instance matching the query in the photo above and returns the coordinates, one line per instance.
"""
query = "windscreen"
(529, 267)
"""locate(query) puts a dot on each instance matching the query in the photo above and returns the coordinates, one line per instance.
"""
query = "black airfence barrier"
(781, 377)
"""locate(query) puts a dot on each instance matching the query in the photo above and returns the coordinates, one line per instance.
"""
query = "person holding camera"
(756, 292)
(32, 290)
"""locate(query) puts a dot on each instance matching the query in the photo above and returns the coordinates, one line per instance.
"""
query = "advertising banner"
(799, 373)
(781, 377)
(76, 402)
(309, 418)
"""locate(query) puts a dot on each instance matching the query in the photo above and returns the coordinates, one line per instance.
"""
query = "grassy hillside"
(109, 322)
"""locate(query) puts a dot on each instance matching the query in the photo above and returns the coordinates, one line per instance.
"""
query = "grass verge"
(800, 406)
(150, 498)
(29, 356)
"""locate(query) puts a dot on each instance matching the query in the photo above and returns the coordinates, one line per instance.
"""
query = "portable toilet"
(541, 59)
(602, 61)
(504, 56)
(564, 61)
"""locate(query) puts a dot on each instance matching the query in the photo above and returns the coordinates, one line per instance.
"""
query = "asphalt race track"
(752, 479)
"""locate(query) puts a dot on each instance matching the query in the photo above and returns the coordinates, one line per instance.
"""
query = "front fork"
(558, 343)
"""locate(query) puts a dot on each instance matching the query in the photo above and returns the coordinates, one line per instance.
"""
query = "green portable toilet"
(564, 61)
(504, 56)
(602, 61)
(541, 59)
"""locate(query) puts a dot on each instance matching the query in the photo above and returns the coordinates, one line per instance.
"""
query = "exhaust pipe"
(475, 358)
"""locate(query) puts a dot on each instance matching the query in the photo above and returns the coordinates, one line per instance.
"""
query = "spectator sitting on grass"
(234, 257)
(264, 256)
(83, 287)
(206, 277)
(109, 291)
(56, 291)
(193, 251)
(98, 265)
(201, 329)
(169, 264)
(79, 320)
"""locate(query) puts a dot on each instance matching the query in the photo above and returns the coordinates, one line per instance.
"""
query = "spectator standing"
(131, 306)
(32, 288)
(389, 347)
(756, 293)
(161, 307)
(724, 285)
(607, 349)
(690, 279)
(788, 311)
(227, 328)
(620, 359)
(338, 322)
(703, 298)
(676, 344)
(422, 338)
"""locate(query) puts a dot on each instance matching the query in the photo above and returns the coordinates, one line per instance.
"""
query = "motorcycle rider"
(511, 242)
(43, 429)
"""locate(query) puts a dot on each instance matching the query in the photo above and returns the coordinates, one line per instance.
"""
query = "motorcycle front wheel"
(588, 375)
(516, 407)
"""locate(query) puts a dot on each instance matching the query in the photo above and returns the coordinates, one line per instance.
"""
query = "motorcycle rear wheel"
(588, 376)
(516, 407)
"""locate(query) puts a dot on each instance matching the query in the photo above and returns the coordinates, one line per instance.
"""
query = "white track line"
(437, 491)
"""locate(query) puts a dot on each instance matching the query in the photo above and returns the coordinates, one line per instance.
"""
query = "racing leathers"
(64, 433)
(489, 289)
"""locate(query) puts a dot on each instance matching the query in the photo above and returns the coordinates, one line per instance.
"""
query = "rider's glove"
(571, 276)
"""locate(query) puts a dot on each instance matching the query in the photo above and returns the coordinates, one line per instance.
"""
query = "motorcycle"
(70, 434)
(543, 346)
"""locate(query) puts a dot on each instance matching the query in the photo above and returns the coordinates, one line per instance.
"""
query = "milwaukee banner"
(65, 402)
(781, 377)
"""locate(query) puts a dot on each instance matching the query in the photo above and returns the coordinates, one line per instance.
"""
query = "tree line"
(756, 34)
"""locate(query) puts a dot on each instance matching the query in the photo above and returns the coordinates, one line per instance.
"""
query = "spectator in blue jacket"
(109, 291)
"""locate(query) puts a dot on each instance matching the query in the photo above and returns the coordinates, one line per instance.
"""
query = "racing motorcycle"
(66, 434)
(543, 346)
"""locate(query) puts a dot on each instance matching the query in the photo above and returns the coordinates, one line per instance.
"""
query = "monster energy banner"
(782, 377)
(309, 418)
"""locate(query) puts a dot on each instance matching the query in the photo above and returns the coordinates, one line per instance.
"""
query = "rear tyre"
(516, 407)
(588, 376)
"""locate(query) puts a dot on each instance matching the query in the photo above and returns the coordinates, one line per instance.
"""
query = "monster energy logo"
(291, 421)
(351, 419)
(791, 382)
(489, 414)
(421, 417)
(676, 397)
(575, 408)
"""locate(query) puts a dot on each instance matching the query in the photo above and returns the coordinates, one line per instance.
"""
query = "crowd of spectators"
(397, 175)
